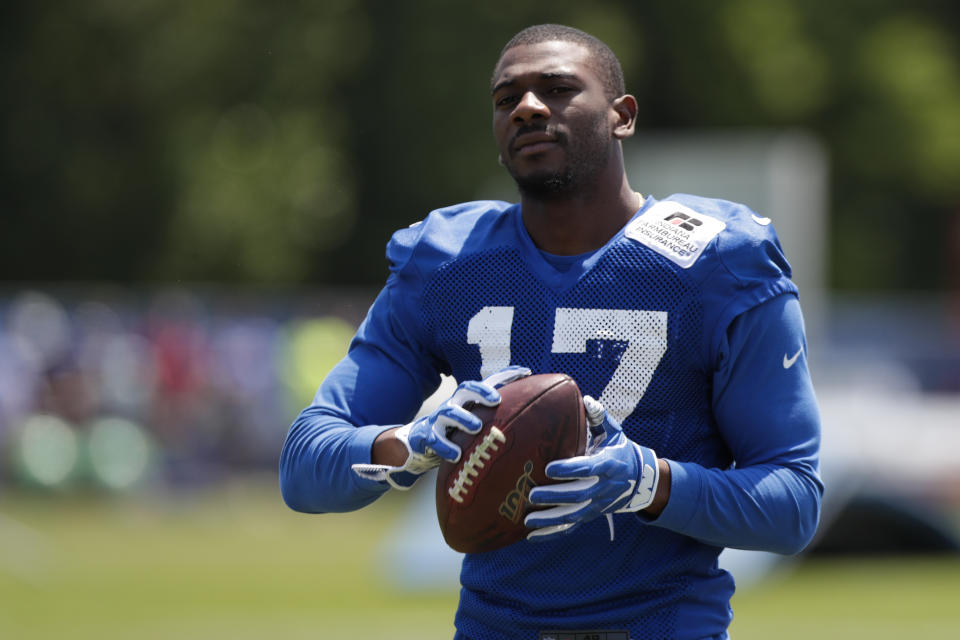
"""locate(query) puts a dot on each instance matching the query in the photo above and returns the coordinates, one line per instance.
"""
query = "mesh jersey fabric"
(471, 293)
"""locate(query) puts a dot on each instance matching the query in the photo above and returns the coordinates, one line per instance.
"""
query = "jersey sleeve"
(379, 384)
(743, 266)
(767, 413)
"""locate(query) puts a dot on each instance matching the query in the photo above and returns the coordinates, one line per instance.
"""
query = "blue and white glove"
(616, 475)
(427, 439)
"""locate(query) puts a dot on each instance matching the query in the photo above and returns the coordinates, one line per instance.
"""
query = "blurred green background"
(194, 202)
(233, 563)
(243, 142)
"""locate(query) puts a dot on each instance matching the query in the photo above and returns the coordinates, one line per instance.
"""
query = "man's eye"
(506, 100)
(561, 89)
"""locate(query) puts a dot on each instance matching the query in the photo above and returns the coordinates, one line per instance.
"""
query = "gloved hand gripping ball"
(428, 439)
(482, 498)
(616, 475)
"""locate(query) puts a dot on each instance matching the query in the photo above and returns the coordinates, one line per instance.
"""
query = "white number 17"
(645, 333)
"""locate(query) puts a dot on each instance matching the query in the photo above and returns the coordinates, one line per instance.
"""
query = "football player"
(678, 319)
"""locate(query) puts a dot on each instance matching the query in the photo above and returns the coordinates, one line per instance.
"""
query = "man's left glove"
(427, 439)
(616, 475)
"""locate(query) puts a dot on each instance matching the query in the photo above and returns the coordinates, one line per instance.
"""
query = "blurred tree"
(85, 181)
(169, 140)
(237, 141)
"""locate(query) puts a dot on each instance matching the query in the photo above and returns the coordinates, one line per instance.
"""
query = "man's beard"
(547, 185)
(584, 161)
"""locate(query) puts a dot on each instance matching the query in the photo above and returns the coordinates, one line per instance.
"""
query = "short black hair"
(604, 59)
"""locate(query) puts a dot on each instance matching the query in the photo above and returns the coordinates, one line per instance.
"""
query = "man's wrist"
(388, 450)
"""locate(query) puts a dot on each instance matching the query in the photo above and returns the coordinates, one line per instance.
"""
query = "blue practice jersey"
(685, 325)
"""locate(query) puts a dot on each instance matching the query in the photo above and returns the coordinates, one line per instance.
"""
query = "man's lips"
(534, 142)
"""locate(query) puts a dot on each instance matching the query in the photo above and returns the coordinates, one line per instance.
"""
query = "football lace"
(475, 462)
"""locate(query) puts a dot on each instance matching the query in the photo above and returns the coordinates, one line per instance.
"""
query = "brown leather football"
(482, 498)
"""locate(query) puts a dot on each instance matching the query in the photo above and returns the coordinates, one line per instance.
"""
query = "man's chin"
(545, 185)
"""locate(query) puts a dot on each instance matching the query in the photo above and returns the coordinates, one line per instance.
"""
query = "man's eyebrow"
(547, 75)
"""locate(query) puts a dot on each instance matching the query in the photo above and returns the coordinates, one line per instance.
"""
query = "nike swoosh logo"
(647, 478)
(788, 362)
(759, 220)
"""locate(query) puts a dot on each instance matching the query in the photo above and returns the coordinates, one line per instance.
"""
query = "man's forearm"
(315, 464)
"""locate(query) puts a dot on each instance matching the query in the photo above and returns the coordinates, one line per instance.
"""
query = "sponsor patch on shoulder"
(675, 231)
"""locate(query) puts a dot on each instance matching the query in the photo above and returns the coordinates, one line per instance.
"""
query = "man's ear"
(625, 118)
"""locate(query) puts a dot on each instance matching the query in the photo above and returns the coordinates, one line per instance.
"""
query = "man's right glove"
(427, 439)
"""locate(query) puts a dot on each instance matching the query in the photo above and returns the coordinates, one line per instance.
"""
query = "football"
(482, 498)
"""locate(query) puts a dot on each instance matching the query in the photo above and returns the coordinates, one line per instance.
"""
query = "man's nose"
(530, 107)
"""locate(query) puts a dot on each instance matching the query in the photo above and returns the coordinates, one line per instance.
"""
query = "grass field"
(235, 563)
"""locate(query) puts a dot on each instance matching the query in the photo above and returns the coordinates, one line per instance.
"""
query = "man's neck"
(582, 222)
